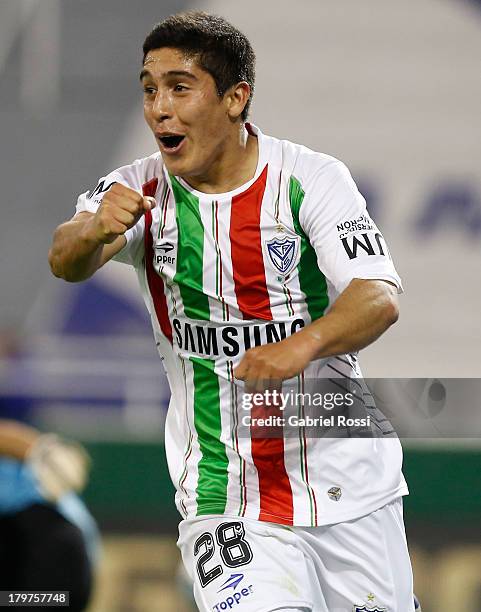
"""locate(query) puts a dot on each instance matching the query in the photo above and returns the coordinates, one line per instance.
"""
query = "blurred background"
(392, 89)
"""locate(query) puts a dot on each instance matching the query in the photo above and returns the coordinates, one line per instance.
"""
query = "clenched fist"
(120, 210)
(270, 364)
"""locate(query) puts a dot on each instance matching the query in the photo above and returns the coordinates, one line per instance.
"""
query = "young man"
(258, 263)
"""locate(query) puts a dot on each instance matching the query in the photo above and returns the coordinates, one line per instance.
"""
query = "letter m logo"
(352, 244)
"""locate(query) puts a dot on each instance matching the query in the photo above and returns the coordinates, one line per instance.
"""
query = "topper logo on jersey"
(237, 597)
(283, 253)
(232, 581)
(364, 608)
(161, 250)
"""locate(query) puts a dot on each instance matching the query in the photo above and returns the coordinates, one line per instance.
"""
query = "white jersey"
(221, 273)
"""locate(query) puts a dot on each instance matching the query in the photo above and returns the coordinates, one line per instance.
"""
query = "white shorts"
(246, 565)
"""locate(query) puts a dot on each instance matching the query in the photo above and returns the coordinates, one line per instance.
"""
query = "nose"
(162, 108)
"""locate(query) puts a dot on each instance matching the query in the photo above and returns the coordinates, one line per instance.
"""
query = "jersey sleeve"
(133, 251)
(347, 242)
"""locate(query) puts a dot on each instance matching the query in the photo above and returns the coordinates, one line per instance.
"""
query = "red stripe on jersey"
(253, 299)
(267, 452)
(156, 284)
(150, 187)
(246, 250)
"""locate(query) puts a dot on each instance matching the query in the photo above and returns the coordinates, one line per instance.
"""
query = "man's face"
(189, 120)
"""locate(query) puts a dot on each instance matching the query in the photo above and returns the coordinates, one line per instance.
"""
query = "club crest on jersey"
(365, 608)
(282, 253)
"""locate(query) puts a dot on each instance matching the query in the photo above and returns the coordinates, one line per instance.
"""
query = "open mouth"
(171, 143)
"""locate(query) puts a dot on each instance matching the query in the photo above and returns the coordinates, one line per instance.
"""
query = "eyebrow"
(179, 73)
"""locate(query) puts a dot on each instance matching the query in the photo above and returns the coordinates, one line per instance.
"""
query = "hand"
(120, 210)
(270, 364)
(58, 465)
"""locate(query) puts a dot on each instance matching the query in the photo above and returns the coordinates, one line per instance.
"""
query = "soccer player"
(258, 263)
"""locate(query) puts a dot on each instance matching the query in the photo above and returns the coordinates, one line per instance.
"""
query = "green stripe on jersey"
(311, 279)
(212, 467)
(190, 253)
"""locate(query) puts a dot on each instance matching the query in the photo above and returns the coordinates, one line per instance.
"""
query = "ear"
(236, 98)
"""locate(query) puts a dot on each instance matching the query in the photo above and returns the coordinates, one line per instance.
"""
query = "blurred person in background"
(241, 240)
(18, 405)
(48, 539)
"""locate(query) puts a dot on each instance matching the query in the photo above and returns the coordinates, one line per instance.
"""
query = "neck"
(235, 164)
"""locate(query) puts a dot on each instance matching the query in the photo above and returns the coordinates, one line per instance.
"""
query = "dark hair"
(219, 48)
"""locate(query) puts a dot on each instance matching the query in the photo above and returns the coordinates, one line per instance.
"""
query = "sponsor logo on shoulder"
(362, 223)
(237, 597)
(361, 237)
(371, 243)
(283, 253)
(162, 250)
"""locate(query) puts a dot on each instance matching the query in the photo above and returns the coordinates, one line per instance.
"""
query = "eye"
(149, 90)
(180, 87)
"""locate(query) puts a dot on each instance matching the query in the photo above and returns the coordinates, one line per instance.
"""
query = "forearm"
(16, 439)
(84, 244)
(75, 255)
(360, 315)
(364, 311)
